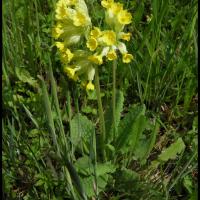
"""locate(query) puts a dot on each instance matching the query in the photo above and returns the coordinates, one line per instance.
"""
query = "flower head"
(70, 71)
(115, 8)
(124, 17)
(107, 42)
(127, 58)
(66, 56)
(106, 3)
(92, 43)
(61, 10)
(111, 55)
(116, 17)
(73, 23)
(125, 36)
(80, 19)
(96, 32)
(109, 37)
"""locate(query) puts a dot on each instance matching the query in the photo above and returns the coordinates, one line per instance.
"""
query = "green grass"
(51, 142)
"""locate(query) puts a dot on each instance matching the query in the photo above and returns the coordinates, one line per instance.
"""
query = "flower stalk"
(101, 116)
(114, 98)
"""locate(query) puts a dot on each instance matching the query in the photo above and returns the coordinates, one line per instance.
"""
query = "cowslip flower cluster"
(73, 25)
(106, 43)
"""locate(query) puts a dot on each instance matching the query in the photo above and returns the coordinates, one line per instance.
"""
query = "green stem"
(76, 98)
(101, 116)
(114, 98)
(69, 112)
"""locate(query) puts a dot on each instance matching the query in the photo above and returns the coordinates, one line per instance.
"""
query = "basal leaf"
(129, 175)
(172, 151)
(152, 140)
(24, 76)
(131, 127)
(90, 187)
(105, 168)
(82, 129)
(83, 165)
(102, 172)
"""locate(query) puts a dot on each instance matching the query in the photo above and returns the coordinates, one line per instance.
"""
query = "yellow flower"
(97, 59)
(79, 19)
(67, 56)
(106, 3)
(71, 2)
(60, 45)
(111, 55)
(92, 44)
(124, 17)
(57, 31)
(109, 37)
(90, 86)
(125, 36)
(61, 10)
(127, 58)
(96, 32)
(71, 72)
(115, 8)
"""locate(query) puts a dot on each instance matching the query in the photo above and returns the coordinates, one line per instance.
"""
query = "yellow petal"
(109, 37)
(79, 19)
(71, 73)
(57, 31)
(115, 8)
(111, 55)
(96, 32)
(70, 55)
(61, 10)
(92, 44)
(124, 17)
(60, 45)
(90, 86)
(127, 58)
(106, 3)
(125, 36)
(67, 56)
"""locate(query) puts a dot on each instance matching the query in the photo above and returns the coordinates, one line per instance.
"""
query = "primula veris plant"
(82, 46)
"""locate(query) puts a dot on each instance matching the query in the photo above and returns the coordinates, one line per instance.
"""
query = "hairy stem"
(114, 97)
(101, 116)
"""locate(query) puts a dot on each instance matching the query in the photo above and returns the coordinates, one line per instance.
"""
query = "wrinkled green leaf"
(90, 187)
(131, 127)
(105, 168)
(82, 128)
(172, 151)
(24, 76)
